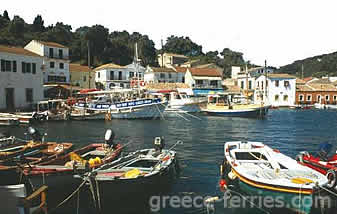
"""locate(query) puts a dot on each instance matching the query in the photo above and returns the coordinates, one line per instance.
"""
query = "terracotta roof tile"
(176, 55)
(17, 50)
(299, 81)
(285, 76)
(52, 44)
(322, 87)
(79, 68)
(180, 69)
(168, 70)
(205, 72)
(107, 66)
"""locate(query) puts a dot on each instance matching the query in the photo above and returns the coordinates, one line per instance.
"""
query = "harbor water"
(287, 130)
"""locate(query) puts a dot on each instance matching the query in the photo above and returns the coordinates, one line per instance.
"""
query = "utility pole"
(89, 63)
(302, 71)
(162, 54)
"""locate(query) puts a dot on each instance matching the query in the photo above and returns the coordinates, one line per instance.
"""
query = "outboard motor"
(159, 144)
(109, 138)
(324, 150)
(35, 134)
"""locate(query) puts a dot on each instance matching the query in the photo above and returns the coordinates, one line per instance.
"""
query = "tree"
(5, 15)
(182, 45)
(17, 27)
(97, 37)
(38, 24)
(230, 58)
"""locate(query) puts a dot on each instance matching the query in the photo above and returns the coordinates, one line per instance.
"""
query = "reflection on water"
(290, 131)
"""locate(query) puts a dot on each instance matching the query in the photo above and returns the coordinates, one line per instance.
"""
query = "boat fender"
(232, 175)
(331, 175)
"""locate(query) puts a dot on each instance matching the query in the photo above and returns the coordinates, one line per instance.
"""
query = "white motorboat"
(261, 170)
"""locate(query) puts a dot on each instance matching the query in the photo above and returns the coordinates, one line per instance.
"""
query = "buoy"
(223, 184)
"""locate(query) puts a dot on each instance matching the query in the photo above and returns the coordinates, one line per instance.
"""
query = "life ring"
(331, 175)
(142, 83)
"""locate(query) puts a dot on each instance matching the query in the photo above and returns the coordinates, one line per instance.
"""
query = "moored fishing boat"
(37, 151)
(262, 171)
(135, 175)
(61, 169)
(225, 104)
(322, 163)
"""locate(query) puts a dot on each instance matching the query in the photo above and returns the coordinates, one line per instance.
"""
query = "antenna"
(265, 70)
(302, 71)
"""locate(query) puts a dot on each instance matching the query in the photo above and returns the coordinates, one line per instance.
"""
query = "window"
(258, 84)
(276, 97)
(120, 75)
(286, 84)
(266, 83)
(162, 75)
(334, 97)
(84, 78)
(52, 64)
(327, 97)
(56, 79)
(318, 98)
(214, 83)
(29, 95)
(51, 52)
(14, 66)
(61, 54)
(8, 65)
(61, 65)
(309, 98)
(3, 65)
(277, 83)
(112, 75)
(285, 98)
(170, 75)
(199, 82)
(131, 74)
(28, 67)
(33, 68)
(23, 67)
(262, 85)
(98, 75)
(242, 84)
(301, 98)
(250, 84)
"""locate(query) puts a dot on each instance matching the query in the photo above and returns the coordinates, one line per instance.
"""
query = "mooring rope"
(69, 197)
(98, 196)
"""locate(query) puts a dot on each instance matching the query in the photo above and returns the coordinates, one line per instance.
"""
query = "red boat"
(322, 163)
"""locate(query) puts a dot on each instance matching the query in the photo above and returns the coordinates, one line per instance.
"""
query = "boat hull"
(138, 189)
(258, 112)
(153, 111)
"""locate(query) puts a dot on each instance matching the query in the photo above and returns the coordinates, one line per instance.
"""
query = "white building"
(276, 89)
(203, 78)
(112, 75)
(21, 78)
(164, 75)
(171, 59)
(55, 60)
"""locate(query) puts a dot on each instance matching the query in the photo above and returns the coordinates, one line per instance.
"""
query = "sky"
(279, 31)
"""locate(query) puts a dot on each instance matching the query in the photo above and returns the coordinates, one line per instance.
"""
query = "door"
(10, 99)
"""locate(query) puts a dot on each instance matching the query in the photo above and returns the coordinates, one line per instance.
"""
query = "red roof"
(205, 72)
(181, 69)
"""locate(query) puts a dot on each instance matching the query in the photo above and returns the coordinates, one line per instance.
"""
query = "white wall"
(20, 81)
(281, 91)
(43, 50)
(235, 71)
(189, 79)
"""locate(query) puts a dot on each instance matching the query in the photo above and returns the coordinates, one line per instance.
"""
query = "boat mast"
(136, 61)
(246, 83)
(266, 85)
